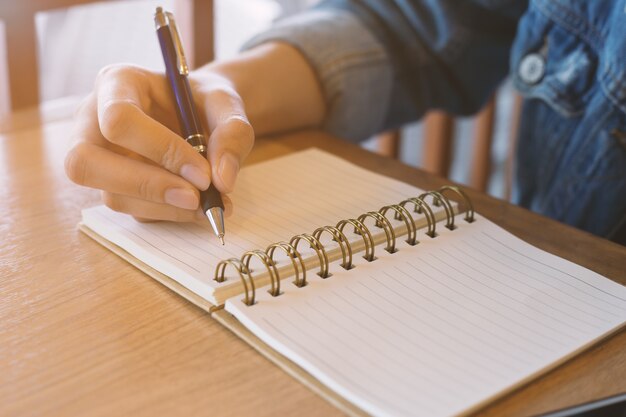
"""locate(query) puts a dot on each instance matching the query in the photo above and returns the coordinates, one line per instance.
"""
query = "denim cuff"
(352, 66)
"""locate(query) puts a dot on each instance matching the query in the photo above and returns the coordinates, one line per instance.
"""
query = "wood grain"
(84, 333)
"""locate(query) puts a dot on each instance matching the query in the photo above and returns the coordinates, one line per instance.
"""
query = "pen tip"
(222, 240)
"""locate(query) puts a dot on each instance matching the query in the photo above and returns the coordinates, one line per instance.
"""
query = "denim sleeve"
(383, 63)
(351, 64)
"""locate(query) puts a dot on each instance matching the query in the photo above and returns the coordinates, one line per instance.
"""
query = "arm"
(279, 88)
(445, 54)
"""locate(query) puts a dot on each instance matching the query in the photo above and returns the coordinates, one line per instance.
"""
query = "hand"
(129, 146)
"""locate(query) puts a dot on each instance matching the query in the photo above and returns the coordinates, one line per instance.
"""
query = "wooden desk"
(84, 333)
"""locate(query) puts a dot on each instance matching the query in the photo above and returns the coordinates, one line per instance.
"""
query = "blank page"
(273, 201)
(438, 328)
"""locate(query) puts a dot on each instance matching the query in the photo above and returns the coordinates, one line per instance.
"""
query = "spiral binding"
(400, 211)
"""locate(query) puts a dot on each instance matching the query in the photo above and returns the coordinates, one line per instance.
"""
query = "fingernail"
(196, 176)
(181, 197)
(228, 170)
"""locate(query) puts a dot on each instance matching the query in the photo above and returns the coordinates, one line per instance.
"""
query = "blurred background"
(73, 43)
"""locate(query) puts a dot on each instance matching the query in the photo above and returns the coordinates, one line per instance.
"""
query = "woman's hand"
(129, 147)
(128, 142)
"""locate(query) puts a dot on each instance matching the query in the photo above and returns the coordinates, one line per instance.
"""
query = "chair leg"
(388, 143)
(21, 50)
(196, 19)
(509, 166)
(483, 138)
(438, 130)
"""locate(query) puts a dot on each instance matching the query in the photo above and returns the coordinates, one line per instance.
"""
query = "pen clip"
(181, 61)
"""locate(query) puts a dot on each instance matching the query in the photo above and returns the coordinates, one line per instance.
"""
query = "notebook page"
(273, 200)
(438, 328)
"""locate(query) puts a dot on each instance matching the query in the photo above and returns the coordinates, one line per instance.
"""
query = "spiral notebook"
(386, 299)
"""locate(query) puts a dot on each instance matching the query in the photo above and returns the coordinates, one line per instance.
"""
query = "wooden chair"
(196, 22)
(438, 137)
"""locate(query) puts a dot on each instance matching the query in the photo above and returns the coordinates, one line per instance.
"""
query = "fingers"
(144, 191)
(127, 146)
(86, 163)
(145, 211)
(122, 101)
(232, 136)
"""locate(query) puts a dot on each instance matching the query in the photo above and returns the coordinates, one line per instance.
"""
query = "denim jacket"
(383, 63)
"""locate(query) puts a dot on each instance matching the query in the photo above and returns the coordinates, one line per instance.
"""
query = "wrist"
(279, 88)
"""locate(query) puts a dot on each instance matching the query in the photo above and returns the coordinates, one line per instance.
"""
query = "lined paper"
(273, 201)
(441, 327)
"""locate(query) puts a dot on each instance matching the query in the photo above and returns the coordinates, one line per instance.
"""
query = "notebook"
(386, 299)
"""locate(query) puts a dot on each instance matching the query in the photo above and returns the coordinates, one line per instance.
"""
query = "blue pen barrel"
(185, 110)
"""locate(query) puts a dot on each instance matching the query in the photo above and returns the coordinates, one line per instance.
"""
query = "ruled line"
(496, 301)
(502, 244)
(521, 341)
(403, 335)
(547, 282)
(461, 321)
(485, 273)
(353, 382)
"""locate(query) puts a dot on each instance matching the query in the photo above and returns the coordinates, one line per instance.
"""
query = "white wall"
(76, 42)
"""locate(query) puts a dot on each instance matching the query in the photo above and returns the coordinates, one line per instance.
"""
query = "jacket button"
(532, 68)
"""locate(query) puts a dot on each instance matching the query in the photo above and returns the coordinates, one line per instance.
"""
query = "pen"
(177, 71)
